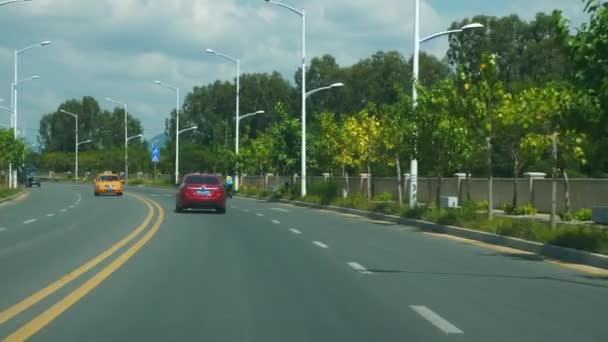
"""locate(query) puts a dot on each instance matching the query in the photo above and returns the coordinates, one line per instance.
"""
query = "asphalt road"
(74, 267)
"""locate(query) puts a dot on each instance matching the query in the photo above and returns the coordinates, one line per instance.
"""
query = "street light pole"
(13, 179)
(238, 92)
(76, 144)
(176, 90)
(413, 202)
(302, 14)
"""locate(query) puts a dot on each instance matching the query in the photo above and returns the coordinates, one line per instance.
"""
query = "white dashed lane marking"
(280, 209)
(295, 231)
(50, 215)
(320, 244)
(259, 214)
(276, 222)
(63, 210)
(438, 321)
(357, 267)
(2, 229)
(30, 221)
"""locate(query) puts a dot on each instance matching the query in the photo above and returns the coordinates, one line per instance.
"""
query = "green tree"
(527, 53)
(590, 53)
(548, 107)
(364, 131)
(444, 134)
(399, 129)
(13, 150)
(485, 96)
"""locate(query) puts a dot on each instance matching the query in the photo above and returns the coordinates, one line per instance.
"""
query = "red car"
(201, 191)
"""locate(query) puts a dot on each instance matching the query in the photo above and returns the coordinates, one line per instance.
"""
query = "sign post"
(155, 159)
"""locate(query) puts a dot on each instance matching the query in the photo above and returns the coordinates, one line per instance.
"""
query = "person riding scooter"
(228, 186)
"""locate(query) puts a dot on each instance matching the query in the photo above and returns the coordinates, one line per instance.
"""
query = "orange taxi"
(108, 183)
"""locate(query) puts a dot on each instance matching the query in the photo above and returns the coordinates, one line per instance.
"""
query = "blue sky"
(116, 48)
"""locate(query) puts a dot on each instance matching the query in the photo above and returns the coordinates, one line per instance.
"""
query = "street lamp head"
(63, 111)
(337, 85)
(194, 127)
(109, 99)
(46, 42)
(210, 51)
(34, 77)
(260, 112)
(472, 26)
(158, 82)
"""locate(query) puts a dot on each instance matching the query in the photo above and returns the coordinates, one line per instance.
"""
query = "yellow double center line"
(46, 317)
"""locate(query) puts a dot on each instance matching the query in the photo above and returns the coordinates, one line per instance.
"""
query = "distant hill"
(158, 140)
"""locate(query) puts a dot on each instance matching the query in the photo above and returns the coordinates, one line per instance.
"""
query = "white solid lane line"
(276, 222)
(320, 244)
(50, 215)
(280, 209)
(436, 320)
(357, 267)
(30, 221)
(295, 231)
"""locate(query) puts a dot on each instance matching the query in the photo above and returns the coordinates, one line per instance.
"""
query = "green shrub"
(390, 208)
(583, 214)
(527, 209)
(448, 217)
(566, 216)
(385, 197)
(508, 209)
(468, 211)
(136, 181)
(592, 240)
(6, 192)
(327, 191)
(415, 213)
(312, 199)
(482, 205)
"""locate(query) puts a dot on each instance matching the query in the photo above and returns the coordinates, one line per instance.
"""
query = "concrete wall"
(584, 193)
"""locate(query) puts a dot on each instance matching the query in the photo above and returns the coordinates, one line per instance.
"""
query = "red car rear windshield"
(202, 180)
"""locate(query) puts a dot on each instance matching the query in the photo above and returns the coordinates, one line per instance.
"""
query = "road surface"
(75, 267)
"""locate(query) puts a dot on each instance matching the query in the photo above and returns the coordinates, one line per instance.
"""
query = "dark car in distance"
(201, 191)
(31, 180)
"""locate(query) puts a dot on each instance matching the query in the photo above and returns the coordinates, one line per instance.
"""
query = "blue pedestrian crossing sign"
(156, 154)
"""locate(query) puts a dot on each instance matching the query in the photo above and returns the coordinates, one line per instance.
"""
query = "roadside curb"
(12, 197)
(564, 254)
